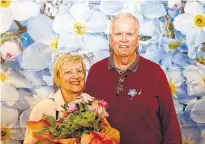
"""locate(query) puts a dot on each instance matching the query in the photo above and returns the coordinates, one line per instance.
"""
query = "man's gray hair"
(121, 16)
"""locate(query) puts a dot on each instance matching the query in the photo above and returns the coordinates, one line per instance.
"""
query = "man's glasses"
(119, 88)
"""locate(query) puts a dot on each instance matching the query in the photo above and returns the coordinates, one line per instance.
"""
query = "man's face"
(124, 38)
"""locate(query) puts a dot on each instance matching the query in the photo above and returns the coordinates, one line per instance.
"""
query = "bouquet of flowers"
(84, 122)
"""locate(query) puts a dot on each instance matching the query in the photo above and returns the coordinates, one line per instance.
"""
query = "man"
(139, 97)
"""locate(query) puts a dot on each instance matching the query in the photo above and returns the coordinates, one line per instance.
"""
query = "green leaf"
(63, 135)
(174, 45)
(71, 117)
(86, 131)
(79, 122)
(81, 107)
(84, 123)
(96, 124)
(77, 134)
(51, 119)
(44, 130)
(58, 128)
(65, 106)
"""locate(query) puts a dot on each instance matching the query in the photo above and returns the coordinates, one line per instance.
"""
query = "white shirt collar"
(59, 101)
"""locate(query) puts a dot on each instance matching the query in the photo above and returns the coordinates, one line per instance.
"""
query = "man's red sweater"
(148, 118)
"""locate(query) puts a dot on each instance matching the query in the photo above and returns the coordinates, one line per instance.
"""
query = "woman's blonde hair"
(63, 60)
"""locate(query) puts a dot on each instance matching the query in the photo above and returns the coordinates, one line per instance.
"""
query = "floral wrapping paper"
(108, 135)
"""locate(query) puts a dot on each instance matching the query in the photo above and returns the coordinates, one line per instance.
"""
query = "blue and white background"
(33, 32)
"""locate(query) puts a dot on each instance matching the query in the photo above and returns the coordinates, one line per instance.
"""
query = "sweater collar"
(132, 67)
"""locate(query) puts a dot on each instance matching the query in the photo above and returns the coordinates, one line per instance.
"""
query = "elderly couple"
(139, 97)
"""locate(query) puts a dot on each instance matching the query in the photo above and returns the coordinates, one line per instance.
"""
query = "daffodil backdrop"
(33, 32)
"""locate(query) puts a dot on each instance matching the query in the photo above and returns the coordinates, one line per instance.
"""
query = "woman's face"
(72, 77)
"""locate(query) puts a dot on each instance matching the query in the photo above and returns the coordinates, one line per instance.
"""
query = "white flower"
(40, 29)
(78, 100)
(22, 103)
(36, 57)
(16, 10)
(24, 117)
(192, 24)
(153, 25)
(195, 76)
(9, 81)
(9, 50)
(91, 108)
(190, 134)
(10, 128)
(132, 92)
(150, 9)
(75, 29)
(144, 10)
(112, 7)
(175, 79)
(87, 98)
(198, 111)
(40, 93)
(178, 106)
(43, 92)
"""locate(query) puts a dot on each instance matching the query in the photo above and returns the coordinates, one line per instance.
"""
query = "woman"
(69, 76)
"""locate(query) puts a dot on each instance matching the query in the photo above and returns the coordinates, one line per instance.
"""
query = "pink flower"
(105, 114)
(174, 4)
(103, 103)
(71, 107)
(101, 111)
(91, 108)
(9, 50)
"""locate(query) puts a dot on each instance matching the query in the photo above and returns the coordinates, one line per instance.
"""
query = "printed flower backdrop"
(172, 34)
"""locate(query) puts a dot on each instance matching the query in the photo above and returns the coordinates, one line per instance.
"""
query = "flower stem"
(21, 29)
